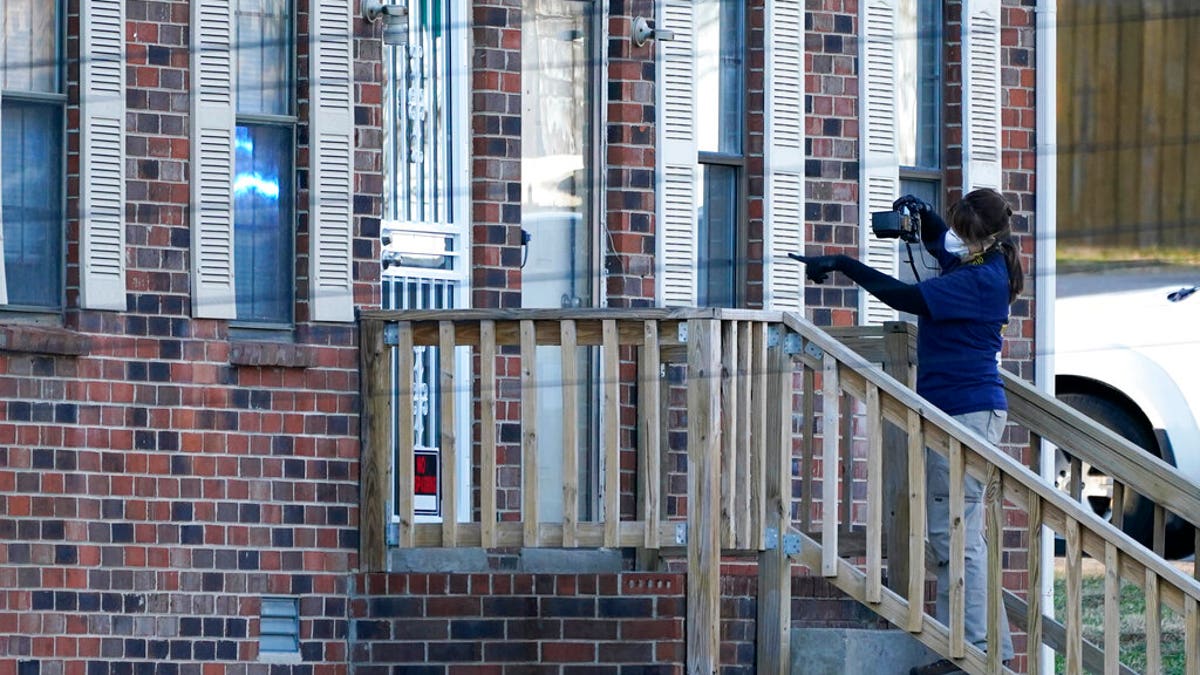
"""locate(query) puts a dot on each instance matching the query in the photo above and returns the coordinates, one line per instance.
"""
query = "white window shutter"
(981, 94)
(212, 159)
(102, 166)
(331, 154)
(879, 167)
(677, 200)
(784, 160)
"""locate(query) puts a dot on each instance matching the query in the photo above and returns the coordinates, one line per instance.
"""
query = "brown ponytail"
(982, 219)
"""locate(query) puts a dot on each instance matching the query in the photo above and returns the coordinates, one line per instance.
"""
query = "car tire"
(1139, 511)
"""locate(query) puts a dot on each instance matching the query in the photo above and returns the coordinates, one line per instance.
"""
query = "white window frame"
(286, 121)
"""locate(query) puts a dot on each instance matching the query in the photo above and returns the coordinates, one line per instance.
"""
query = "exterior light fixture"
(643, 32)
(395, 20)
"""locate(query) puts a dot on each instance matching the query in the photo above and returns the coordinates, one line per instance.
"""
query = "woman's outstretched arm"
(898, 295)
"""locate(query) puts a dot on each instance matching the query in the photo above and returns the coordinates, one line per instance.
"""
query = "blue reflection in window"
(32, 192)
(262, 232)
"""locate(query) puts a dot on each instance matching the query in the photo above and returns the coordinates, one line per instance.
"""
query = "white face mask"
(955, 246)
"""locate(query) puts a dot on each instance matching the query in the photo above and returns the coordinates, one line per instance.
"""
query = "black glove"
(818, 267)
(915, 205)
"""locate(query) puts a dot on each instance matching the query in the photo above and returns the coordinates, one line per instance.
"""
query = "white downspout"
(1045, 236)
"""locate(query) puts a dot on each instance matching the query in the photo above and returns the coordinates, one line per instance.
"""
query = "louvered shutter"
(981, 94)
(331, 286)
(784, 160)
(678, 160)
(102, 183)
(879, 171)
(212, 159)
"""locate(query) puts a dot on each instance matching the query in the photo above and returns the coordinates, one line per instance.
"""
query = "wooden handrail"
(1078, 435)
(741, 424)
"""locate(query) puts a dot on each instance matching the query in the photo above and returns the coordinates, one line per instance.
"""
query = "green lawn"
(1132, 627)
(1083, 258)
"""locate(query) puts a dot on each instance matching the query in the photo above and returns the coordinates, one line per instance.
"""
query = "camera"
(896, 224)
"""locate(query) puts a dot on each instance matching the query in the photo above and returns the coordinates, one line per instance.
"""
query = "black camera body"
(896, 225)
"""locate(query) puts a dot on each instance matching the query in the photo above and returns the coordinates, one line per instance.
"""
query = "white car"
(1131, 361)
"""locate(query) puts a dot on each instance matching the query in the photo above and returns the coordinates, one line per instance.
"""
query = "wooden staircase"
(772, 402)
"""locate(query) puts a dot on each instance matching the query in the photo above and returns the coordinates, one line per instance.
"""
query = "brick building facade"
(171, 479)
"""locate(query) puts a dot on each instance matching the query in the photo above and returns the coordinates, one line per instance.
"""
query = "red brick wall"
(526, 623)
(831, 167)
(564, 623)
(496, 154)
(153, 485)
(496, 217)
(153, 488)
(629, 176)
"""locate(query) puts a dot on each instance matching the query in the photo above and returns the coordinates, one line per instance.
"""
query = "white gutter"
(1045, 250)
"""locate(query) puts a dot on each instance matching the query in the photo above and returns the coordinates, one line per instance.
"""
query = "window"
(720, 130)
(263, 189)
(919, 113)
(32, 155)
(919, 91)
(559, 215)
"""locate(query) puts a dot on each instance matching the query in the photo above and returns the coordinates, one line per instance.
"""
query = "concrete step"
(856, 651)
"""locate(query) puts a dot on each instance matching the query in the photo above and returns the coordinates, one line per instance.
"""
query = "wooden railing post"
(774, 567)
(375, 389)
(895, 467)
(704, 497)
(649, 444)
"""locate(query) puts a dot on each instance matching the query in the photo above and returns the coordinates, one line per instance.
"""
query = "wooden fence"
(1129, 123)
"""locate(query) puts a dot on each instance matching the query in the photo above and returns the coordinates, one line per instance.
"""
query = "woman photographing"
(961, 316)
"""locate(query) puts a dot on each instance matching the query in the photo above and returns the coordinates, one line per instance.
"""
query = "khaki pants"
(990, 425)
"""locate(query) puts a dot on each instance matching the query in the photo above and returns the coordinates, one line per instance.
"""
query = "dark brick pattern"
(157, 479)
(630, 191)
(519, 623)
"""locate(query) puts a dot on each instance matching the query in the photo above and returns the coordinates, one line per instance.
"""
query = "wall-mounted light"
(395, 20)
(643, 31)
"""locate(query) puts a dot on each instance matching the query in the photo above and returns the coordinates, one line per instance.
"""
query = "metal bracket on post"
(792, 344)
(791, 544)
(770, 538)
(391, 334)
(681, 534)
(392, 530)
(813, 350)
(683, 331)
(774, 335)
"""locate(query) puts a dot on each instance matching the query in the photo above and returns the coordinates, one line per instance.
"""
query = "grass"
(1084, 257)
(1132, 627)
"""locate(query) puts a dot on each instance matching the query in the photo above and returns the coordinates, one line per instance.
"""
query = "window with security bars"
(424, 233)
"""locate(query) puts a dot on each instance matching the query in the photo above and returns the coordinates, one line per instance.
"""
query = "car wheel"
(1138, 519)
